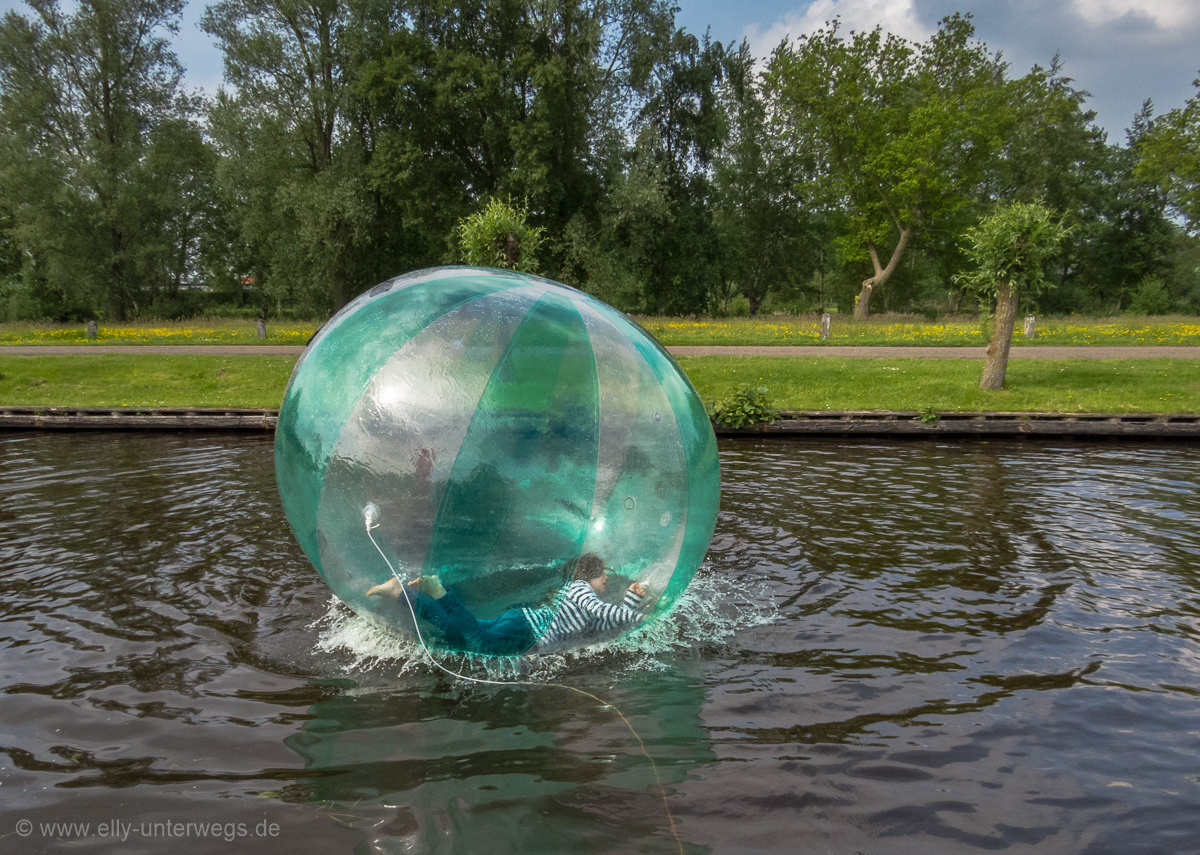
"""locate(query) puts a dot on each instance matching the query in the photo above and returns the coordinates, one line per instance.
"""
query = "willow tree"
(500, 236)
(904, 133)
(1010, 250)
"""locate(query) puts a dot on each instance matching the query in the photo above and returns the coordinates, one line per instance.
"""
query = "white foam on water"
(712, 609)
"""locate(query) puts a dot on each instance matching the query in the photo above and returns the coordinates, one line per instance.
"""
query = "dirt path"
(881, 352)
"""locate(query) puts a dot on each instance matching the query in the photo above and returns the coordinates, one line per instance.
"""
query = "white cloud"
(895, 16)
(1164, 13)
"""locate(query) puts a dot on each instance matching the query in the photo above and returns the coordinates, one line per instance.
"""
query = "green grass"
(794, 383)
(1031, 385)
(907, 330)
(202, 331)
(111, 380)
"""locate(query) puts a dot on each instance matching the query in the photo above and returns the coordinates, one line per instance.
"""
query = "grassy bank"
(144, 381)
(1033, 385)
(1068, 385)
(882, 330)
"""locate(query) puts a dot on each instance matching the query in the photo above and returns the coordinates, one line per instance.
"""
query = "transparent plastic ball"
(489, 427)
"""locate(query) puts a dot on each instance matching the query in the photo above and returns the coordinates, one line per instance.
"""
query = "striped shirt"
(578, 612)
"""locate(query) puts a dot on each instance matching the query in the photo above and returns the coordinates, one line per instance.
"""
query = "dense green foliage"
(500, 236)
(1011, 247)
(663, 172)
(104, 172)
(1170, 157)
(746, 405)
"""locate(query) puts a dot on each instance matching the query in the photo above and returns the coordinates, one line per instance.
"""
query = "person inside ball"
(575, 614)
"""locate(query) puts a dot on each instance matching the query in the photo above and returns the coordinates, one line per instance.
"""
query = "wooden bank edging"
(790, 423)
(908, 423)
(137, 418)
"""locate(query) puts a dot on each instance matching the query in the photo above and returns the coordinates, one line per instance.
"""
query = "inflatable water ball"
(492, 426)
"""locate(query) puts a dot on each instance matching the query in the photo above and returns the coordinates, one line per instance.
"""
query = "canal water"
(892, 648)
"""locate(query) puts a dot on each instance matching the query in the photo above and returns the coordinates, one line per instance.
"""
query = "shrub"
(1151, 298)
(744, 406)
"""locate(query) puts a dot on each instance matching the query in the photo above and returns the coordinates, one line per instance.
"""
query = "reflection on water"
(975, 646)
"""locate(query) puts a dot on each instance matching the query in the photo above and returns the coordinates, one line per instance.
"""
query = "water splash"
(714, 607)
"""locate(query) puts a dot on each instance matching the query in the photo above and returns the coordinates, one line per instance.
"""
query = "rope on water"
(371, 514)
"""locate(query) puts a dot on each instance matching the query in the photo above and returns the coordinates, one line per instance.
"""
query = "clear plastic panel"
(334, 370)
(639, 510)
(398, 448)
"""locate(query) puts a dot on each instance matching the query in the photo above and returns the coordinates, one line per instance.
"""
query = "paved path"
(1026, 352)
(135, 349)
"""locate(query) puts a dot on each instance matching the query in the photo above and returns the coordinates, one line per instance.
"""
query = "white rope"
(371, 513)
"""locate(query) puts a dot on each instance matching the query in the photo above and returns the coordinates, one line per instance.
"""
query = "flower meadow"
(920, 333)
(775, 330)
(219, 332)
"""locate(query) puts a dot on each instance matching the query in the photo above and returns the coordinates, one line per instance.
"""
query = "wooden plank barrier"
(790, 423)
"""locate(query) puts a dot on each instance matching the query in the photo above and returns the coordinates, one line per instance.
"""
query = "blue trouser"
(503, 636)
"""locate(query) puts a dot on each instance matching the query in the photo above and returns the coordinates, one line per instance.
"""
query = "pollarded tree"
(904, 132)
(1010, 250)
(500, 236)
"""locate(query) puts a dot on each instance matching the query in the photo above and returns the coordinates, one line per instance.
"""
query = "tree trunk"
(862, 308)
(339, 287)
(511, 247)
(116, 279)
(998, 344)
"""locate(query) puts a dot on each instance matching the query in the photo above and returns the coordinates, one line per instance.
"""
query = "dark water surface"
(974, 647)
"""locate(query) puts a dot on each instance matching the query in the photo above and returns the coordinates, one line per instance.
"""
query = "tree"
(1170, 157)
(1010, 250)
(464, 102)
(292, 166)
(1129, 235)
(91, 109)
(679, 127)
(904, 132)
(1120, 232)
(500, 236)
(757, 181)
(652, 245)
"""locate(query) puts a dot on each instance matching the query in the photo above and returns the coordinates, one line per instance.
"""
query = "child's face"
(600, 583)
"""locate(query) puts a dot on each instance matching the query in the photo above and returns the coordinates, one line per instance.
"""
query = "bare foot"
(390, 588)
(431, 586)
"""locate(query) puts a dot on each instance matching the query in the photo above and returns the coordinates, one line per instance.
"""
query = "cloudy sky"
(1121, 51)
